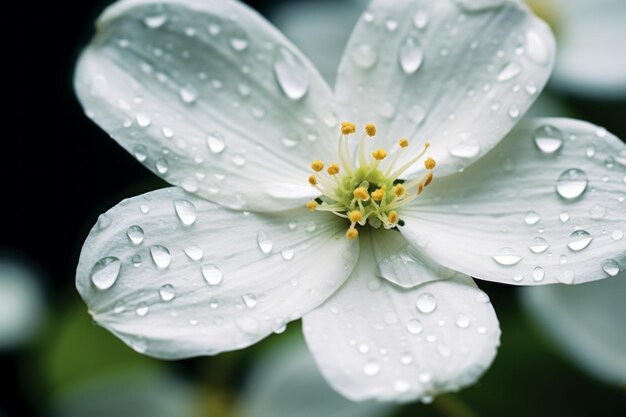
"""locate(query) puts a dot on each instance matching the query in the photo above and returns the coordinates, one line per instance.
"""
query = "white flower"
(214, 100)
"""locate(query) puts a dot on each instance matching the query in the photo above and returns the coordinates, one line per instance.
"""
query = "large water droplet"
(186, 211)
(539, 245)
(411, 55)
(188, 94)
(469, 148)
(426, 303)
(414, 326)
(167, 292)
(215, 142)
(212, 274)
(507, 257)
(579, 240)
(161, 256)
(142, 310)
(364, 56)
(141, 153)
(536, 48)
(572, 183)
(538, 273)
(155, 21)
(548, 139)
(264, 241)
(287, 253)
(105, 272)
(509, 71)
(135, 234)
(462, 321)
(143, 119)
(194, 252)
(291, 75)
(611, 267)
(531, 218)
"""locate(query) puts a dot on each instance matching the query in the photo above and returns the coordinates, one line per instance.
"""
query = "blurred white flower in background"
(21, 303)
(586, 322)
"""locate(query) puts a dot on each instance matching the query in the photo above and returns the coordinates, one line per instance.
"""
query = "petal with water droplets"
(210, 286)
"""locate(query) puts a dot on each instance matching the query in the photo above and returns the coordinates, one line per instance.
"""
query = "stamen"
(403, 142)
(333, 169)
(361, 194)
(313, 180)
(370, 129)
(379, 154)
(399, 190)
(348, 128)
(430, 164)
(378, 195)
(393, 217)
(317, 166)
(311, 205)
(352, 234)
(355, 216)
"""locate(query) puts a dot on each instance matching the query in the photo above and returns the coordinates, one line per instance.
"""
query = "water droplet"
(391, 25)
(167, 292)
(142, 309)
(426, 303)
(215, 142)
(531, 218)
(239, 44)
(364, 56)
(609, 162)
(469, 148)
(514, 112)
(411, 55)
(135, 234)
(462, 321)
(143, 119)
(371, 368)
(141, 153)
(167, 132)
(538, 274)
(238, 160)
(536, 48)
(248, 325)
(311, 226)
(105, 272)
(214, 29)
(572, 183)
(194, 252)
(212, 274)
(287, 253)
(539, 245)
(597, 212)
(161, 256)
(509, 71)
(186, 211)
(162, 166)
(591, 151)
(188, 94)
(415, 326)
(264, 241)
(611, 267)
(420, 19)
(249, 300)
(617, 235)
(291, 74)
(579, 240)
(155, 21)
(507, 257)
(566, 277)
(564, 217)
(136, 260)
(548, 139)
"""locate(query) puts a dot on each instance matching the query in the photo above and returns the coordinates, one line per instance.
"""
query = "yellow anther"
(317, 166)
(333, 169)
(311, 205)
(352, 234)
(348, 128)
(379, 154)
(429, 179)
(420, 188)
(404, 142)
(313, 180)
(393, 217)
(355, 216)
(361, 194)
(399, 190)
(430, 163)
(370, 129)
(427, 145)
(378, 195)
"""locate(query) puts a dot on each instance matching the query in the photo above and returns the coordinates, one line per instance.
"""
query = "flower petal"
(374, 340)
(458, 74)
(587, 323)
(209, 96)
(592, 58)
(545, 206)
(402, 264)
(191, 278)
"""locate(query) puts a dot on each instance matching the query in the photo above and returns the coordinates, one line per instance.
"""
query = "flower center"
(369, 191)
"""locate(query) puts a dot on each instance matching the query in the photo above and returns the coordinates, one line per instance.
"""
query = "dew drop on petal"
(597, 212)
(135, 234)
(411, 55)
(155, 21)
(105, 272)
(143, 119)
(611, 267)
(142, 310)
(539, 245)
(420, 19)
(141, 153)
(414, 326)
(194, 252)
(186, 212)
(371, 368)
(161, 256)
(249, 300)
(264, 241)
(538, 274)
(215, 143)
(617, 235)
(566, 277)
(468, 148)
(291, 74)
(188, 94)
(462, 321)
(509, 71)
(507, 257)
(212, 274)
(364, 56)
(572, 183)
(548, 139)
(564, 217)
(426, 303)
(579, 240)
(536, 48)
(239, 44)
(167, 292)
(287, 253)
(531, 218)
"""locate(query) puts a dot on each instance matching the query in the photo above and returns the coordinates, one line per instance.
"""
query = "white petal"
(525, 216)
(209, 96)
(592, 51)
(286, 382)
(401, 263)
(587, 323)
(455, 75)
(193, 278)
(374, 340)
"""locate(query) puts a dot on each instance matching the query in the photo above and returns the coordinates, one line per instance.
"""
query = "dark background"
(60, 172)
